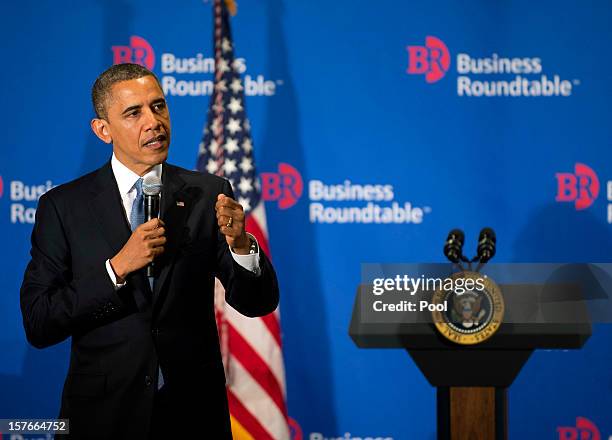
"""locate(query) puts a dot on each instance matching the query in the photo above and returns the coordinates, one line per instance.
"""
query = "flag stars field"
(245, 185)
(236, 86)
(235, 105)
(233, 126)
(231, 146)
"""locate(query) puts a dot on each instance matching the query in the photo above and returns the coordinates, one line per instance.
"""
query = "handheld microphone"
(151, 187)
(453, 248)
(486, 245)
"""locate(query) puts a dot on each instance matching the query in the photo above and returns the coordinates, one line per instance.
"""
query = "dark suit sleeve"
(54, 305)
(251, 295)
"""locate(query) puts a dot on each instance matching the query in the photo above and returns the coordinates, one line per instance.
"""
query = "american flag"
(251, 347)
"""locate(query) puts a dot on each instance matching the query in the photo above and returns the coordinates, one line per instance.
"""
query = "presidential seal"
(473, 308)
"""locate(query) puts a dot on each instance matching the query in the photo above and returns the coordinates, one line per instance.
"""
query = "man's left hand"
(230, 218)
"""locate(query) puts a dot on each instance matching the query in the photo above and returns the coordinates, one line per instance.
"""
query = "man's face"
(137, 123)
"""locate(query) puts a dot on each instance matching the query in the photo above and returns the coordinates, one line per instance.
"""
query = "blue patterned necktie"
(136, 219)
(137, 214)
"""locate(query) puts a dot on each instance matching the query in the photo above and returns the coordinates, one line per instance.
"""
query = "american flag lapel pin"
(180, 203)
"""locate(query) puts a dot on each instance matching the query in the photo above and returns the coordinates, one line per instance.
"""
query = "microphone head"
(453, 248)
(487, 232)
(456, 234)
(151, 185)
(486, 244)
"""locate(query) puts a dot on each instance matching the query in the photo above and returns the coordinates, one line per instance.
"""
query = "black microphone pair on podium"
(151, 187)
(453, 248)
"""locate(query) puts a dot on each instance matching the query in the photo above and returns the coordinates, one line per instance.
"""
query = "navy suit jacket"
(119, 336)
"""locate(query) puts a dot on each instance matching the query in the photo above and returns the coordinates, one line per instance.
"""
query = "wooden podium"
(472, 381)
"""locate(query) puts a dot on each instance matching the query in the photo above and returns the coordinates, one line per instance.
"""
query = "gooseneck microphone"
(486, 245)
(151, 187)
(453, 247)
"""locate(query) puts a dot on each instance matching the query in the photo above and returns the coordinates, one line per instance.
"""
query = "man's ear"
(100, 128)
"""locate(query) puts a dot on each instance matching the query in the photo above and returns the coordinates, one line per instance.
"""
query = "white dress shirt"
(126, 181)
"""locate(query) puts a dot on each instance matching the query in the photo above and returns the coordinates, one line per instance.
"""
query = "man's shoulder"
(74, 189)
(197, 178)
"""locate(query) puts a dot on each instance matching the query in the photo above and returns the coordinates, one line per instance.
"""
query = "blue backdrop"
(390, 94)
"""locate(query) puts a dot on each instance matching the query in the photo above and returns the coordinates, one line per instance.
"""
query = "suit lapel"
(107, 209)
(175, 207)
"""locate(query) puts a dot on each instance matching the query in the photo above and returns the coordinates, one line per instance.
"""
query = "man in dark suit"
(145, 359)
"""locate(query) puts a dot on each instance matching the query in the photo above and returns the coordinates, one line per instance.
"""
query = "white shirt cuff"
(111, 274)
(249, 261)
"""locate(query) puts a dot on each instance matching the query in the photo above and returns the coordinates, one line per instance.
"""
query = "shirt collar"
(126, 178)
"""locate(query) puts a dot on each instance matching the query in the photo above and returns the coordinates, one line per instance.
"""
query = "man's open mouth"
(155, 142)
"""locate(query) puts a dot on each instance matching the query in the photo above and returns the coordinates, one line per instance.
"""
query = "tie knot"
(138, 186)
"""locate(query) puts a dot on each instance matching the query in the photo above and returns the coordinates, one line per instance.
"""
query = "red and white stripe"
(253, 360)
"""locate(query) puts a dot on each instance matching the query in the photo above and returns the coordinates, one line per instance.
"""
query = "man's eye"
(134, 113)
(159, 107)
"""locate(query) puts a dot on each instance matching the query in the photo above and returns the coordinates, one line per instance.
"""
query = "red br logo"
(139, 52)
(286, 186)
(584, 430)
(580, 187)
(433, 59)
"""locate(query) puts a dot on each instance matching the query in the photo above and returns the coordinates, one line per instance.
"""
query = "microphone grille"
(151, 185)
(487, 232)
(459, 235)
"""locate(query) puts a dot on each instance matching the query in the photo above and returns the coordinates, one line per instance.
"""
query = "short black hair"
(100, 91)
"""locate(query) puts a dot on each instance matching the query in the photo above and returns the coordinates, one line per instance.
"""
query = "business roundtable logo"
(581, 188)
(431, 60)
(492, 75)
(345, 202)
(191, 75)
(283, 187)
